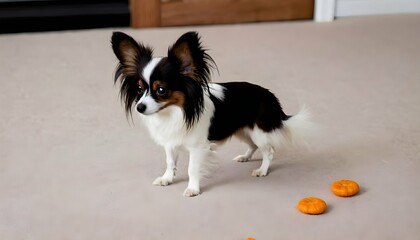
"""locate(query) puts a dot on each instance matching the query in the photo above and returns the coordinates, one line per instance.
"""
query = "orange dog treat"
(312, 205)
(249, 238)
(345, 188)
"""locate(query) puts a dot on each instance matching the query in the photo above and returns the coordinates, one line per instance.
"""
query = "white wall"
(324, 10)
(346, 8)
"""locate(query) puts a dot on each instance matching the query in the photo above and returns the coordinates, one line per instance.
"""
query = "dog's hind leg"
(267, 153)
(248, 154)
(251, 147)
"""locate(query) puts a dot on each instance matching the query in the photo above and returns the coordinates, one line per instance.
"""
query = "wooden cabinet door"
(155, 13)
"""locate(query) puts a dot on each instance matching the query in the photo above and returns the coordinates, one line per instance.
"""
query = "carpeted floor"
(73, 167)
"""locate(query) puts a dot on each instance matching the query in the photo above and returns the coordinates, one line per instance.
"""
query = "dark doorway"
(52, 15)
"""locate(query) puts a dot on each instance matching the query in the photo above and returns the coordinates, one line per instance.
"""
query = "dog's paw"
(259, 173)
(191, 192)
(161, 181)
(241, 158)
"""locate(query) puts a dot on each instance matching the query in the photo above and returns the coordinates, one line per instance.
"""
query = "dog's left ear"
(190, 58)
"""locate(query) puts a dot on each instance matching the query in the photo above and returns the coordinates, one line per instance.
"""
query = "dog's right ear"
(133, 56)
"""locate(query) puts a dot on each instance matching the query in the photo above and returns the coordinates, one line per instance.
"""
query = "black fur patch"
(245, 105)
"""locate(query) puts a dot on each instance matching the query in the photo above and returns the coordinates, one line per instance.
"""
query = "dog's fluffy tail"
(299, 128)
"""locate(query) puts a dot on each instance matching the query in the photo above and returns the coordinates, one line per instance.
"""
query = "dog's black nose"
(141, 108)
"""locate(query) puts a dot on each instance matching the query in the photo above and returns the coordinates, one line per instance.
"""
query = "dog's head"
(156, 83)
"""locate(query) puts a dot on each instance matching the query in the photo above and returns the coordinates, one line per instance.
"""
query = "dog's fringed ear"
(133, 58)
(181, 52)
(191, 58)
(132, 55)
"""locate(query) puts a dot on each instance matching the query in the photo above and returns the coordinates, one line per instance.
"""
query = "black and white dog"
(182, 109)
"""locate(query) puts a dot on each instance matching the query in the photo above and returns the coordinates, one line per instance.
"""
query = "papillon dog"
(182, 109)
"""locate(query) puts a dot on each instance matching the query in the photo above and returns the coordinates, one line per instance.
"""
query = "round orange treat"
(312, 205)
(345, 188)
(249, 238)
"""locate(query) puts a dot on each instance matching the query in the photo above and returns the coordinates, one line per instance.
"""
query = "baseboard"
(345, 8)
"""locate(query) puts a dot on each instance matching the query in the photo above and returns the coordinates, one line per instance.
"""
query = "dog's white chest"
(166, 127)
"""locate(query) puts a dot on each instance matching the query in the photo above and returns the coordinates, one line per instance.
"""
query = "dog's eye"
(140, 90)
(161, 91)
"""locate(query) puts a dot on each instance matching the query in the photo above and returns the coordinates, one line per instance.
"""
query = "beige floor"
(72, 166)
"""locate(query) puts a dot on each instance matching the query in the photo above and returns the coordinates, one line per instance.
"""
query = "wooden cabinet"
(156, 13)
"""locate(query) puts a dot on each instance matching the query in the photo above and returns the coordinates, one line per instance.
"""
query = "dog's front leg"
(197, 156)
(171, 159)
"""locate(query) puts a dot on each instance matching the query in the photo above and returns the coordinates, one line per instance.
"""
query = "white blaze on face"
(148, 70)
(151, 105)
